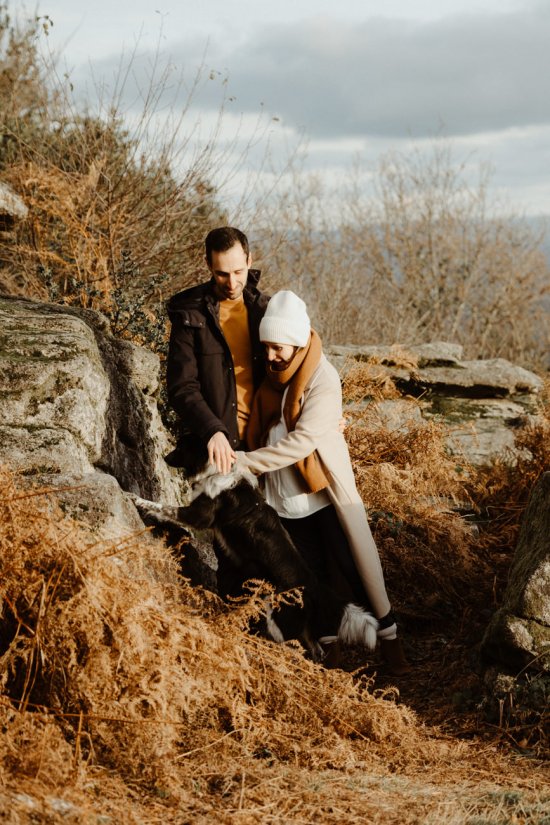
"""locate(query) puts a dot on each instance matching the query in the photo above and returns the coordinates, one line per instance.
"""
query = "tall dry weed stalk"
(106, 184)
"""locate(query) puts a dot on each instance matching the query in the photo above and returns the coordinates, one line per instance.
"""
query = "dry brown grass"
(106, 192)
(128, 693)
(413, 490)
(446, 574)
(84, 220)
(111, 635)
(136, 666)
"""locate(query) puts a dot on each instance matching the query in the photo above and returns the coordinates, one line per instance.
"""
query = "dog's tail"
(358, 627)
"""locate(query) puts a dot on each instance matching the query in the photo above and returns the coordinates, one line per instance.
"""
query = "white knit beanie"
(286, 320)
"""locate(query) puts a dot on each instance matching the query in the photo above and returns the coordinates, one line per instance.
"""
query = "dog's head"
(190, 456)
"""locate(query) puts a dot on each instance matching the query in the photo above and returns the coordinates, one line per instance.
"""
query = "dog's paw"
(152, 512)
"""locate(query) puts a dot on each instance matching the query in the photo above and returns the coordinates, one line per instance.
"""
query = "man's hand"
(220, 453)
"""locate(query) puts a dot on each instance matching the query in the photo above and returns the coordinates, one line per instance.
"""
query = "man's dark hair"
(222, 239)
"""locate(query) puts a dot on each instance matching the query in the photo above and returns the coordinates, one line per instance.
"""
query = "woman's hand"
(241, 462)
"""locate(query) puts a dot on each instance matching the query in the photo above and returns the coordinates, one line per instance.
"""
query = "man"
(215, 358)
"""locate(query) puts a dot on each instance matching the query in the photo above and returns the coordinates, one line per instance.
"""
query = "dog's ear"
(190, 455)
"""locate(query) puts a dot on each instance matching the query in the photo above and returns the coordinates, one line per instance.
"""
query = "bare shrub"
(447, 267)
(110, 191)
(24, 96)
(303, 248)
(427, 257)
(99, 188)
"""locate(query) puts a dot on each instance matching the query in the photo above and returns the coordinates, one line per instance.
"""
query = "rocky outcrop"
(78, 410)
(481, 403)
(516, 644)
(11, 205)
(519, 633)
(12, 210)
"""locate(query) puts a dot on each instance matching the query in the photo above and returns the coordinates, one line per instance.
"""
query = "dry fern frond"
(130, 693)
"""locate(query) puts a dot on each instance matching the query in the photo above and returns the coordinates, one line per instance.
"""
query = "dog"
(247, 530)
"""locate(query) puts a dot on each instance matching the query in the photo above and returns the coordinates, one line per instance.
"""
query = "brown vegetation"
(101, 194)
(414, 492)
(125, 693)
(124, 688)
(417, 494)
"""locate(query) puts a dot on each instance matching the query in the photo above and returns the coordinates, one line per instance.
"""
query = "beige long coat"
(318, 429)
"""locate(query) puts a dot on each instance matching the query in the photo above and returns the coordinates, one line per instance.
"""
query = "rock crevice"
(78, 404)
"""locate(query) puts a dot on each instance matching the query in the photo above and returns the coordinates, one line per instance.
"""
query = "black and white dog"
(248, 531)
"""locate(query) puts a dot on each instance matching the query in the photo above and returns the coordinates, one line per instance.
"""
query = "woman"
(295, 439)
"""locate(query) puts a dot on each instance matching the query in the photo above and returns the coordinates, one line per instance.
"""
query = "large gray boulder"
(78, 410)
(518, 636)
(481, 403)
(11, 205)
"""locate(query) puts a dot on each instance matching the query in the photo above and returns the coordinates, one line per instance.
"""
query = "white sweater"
(282, 488)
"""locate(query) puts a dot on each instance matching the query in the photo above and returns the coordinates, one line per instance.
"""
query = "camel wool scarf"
(266, 409)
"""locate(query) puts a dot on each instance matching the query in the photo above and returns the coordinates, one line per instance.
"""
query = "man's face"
(230, 271)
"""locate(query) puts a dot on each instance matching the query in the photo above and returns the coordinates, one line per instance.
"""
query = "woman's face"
(279, 356)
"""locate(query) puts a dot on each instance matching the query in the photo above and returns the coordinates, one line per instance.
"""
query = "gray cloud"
(392, 77)
(384, 78)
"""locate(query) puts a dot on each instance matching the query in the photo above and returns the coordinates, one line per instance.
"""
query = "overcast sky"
(356, 77)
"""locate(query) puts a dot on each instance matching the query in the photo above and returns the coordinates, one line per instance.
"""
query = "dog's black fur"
(249, 532)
